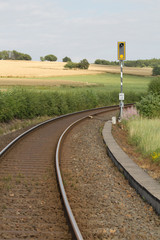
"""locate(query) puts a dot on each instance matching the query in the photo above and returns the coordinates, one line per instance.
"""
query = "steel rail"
(71, 217)
(45, 122)
(62, 189)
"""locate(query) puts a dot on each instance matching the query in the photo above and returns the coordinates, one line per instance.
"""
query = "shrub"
(26, 104)
(51, 58)
(42, 59)
(102, 61)
(84, 64)
(156, 71)
(66, 59)
(154, 86)
(71, 65)
(149, 106)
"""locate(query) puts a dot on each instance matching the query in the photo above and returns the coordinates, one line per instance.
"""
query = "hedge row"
(25, 104)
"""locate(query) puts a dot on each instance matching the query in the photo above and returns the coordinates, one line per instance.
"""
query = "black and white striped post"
(121, 95)
(121, 58)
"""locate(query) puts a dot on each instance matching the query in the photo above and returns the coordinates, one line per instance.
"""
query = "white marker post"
(121, 58)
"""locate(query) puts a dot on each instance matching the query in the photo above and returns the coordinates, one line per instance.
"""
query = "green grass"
(111, 82)
(145, 134)
(103, 82)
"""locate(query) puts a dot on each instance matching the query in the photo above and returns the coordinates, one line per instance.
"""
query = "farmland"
(25, 84)
(10, 68)
(53, 76)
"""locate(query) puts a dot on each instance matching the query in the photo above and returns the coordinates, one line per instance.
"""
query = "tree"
(5, 55)
(14, 55)
(84, 64)
(26, 57)
(66, 59)
(50, 57)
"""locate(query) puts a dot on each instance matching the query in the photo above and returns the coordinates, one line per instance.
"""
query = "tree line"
(131, 63)
(14, 55)
(83, 64)
(153, 63)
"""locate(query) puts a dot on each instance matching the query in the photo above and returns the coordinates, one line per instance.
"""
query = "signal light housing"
(121, 50)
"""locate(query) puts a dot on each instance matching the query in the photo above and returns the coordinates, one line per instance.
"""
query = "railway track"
(31, 206)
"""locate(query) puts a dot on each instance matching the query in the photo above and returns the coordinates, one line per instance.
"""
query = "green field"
(111, 82)
(100, 82)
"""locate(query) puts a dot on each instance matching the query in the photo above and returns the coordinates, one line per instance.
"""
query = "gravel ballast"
(104, 204)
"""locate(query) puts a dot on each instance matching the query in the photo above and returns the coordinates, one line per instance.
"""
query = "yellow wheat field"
(12, 68)
(32, 72)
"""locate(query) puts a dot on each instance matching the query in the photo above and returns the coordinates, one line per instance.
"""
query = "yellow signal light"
(121, 50)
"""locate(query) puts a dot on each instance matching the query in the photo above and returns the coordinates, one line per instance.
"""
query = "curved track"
(30, 198)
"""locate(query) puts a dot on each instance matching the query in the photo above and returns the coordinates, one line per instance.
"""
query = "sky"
(81, 28)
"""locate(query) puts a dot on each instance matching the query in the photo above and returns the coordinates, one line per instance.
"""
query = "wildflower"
(155, 156)
(130, 113)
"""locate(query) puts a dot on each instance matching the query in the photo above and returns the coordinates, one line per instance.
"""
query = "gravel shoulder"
(104, 204)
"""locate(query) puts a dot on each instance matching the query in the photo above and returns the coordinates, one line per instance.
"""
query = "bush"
(71, 65)
(102, 61)
(50, 58)
(149, 106)
(42, 59)
(84, 64)
(154, 86)
(27, 104)
(66, 59)
(156, 71)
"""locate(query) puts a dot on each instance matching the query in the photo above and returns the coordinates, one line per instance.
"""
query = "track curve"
(30, 199)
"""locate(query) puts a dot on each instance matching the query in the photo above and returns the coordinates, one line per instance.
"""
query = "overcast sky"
(81, 28)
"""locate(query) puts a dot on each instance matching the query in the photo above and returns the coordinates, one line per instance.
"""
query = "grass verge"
(145, 134)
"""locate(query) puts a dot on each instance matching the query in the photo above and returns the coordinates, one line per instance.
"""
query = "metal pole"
(121, 102)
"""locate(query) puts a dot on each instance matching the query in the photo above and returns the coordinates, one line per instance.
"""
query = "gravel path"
(105, 206)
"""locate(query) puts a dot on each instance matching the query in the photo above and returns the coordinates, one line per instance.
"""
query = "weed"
(18, 181)
(7, 178)
(4, 207)
(20, 175)
(7, 187)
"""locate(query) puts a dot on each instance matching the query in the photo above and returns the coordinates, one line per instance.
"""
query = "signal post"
(121, 58)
